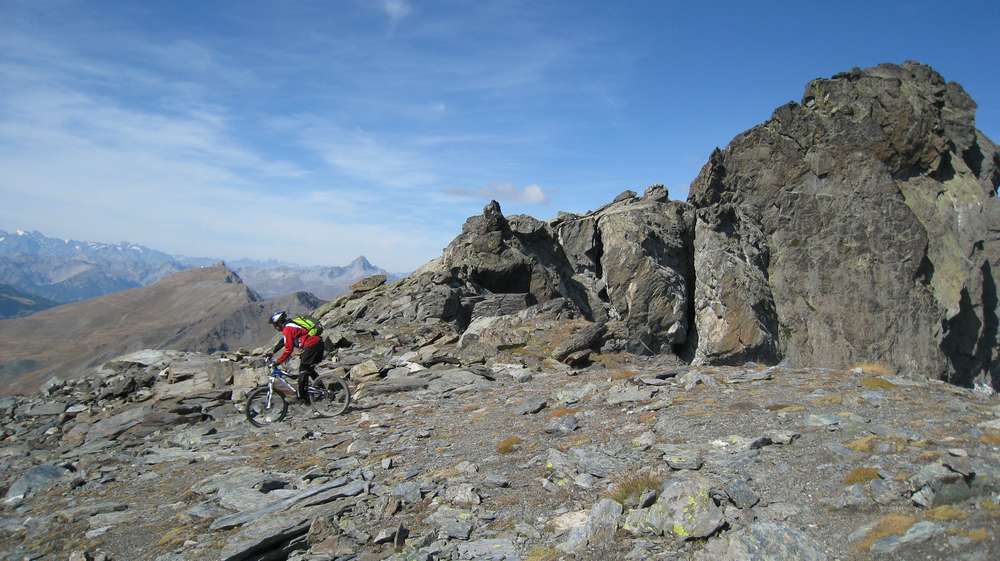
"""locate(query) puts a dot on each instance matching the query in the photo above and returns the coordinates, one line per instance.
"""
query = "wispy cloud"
(396, 9)
(364, 156)
(80, 163)
(530, 194)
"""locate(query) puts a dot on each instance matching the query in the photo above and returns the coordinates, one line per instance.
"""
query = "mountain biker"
(292, 336)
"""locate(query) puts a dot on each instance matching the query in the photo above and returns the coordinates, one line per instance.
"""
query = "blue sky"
(314, 131)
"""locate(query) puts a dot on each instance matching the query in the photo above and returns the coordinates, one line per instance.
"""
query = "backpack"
(310, 324)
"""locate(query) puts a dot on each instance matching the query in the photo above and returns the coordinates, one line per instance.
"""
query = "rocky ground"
(518, 458)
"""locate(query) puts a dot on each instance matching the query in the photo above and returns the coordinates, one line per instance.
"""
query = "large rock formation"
(872, 215)
(858, 225)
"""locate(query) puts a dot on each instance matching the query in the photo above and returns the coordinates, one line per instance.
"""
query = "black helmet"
(279, 318)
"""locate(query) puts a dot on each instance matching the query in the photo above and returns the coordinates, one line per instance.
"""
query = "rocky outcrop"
(629, 262)
(858, 225)
(634, 256)
(873, 204)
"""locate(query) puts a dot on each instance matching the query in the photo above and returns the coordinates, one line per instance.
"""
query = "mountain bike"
(329, 396)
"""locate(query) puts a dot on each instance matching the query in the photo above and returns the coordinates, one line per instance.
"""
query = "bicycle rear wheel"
(260, 413)
(329, 395)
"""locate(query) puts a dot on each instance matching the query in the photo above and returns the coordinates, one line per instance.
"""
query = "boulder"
(587, 337)
(368, 283)
(684, 509)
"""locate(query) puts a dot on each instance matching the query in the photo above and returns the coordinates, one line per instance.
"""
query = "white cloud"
(396, 9)
(364, 156)
(530, 194)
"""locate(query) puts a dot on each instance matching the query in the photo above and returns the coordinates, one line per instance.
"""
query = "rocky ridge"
(72, 270)
(859, 224)
(441, 457)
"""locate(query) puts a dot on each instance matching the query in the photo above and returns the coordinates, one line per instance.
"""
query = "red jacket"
(295, 336)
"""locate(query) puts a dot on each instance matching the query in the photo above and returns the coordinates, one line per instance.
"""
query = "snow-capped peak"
(21, 232)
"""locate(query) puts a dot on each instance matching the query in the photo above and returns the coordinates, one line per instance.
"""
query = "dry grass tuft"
(443, 473)
(990, 506)
(895, 524)
(508, 445)
(991, 438)
(928, 456)
(785, 408)
(573, 441)
(542, 553)
(611, 361)
(832, 399)
(623, 374)
(633, 483)
(562, 412)
(977, 534)
(865, 444)
(507, 500)
(945, 513)
(861, 475)
(874, 383)
(174, 537)
(875, 368)
(697, 412)
(648, 418)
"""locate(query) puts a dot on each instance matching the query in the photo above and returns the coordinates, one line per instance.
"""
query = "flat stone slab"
(763, 540)
(630, 396)
(531, 406)
(34, 480)
(489, 550)
(309, 496)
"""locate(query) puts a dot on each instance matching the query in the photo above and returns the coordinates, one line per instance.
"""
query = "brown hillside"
(205, 309)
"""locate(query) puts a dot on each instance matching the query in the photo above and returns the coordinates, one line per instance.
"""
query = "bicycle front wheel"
(261, 411)
(330, 395)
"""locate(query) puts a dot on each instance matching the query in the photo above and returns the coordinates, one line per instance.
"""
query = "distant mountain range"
(44, 269)
(325, 282)
(204, 309)
(71, 270)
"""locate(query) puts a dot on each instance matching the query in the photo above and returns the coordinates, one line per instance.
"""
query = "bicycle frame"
(277, 375)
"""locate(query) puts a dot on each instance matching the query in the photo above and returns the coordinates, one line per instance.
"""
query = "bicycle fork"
(270, 393)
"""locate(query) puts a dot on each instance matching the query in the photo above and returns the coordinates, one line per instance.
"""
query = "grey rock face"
(873, 199)
(734, 310)
(645, 263)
